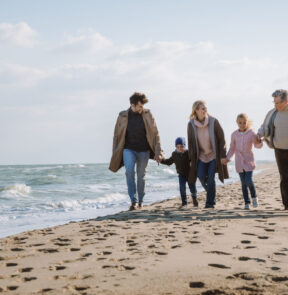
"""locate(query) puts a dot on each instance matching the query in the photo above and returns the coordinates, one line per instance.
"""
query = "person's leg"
(244, 187)
(282, 163)
(182, 187)
(250, 184)
(202, 171)
(129, 159)
(142, 159)
(211, 184)
(193, 191)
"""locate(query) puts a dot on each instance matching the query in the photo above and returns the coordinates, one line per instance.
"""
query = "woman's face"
(201, 112)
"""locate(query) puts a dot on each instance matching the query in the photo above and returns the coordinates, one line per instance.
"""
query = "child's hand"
(224, 161)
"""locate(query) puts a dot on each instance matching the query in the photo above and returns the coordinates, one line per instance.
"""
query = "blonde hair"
(245, 117)
(195, 107)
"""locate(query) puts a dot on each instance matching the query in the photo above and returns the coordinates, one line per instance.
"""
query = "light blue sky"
(68, 67)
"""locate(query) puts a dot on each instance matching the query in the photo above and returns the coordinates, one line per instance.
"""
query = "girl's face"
(242, 124)
(201, 112)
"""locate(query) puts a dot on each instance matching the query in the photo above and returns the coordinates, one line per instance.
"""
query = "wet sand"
(159, 249)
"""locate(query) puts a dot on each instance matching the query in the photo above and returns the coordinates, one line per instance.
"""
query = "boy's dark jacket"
(181, 161)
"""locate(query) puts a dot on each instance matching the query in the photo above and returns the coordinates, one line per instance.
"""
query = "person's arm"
(115, 137)
(232, 148)
(221, 139)
(168, 161)
(257, 142)
(157, 147)
(190, 140)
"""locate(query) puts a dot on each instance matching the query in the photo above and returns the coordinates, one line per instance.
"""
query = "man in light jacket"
(136, 139)
(275, 133)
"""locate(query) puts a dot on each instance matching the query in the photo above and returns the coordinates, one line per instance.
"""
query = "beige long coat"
(152, 135)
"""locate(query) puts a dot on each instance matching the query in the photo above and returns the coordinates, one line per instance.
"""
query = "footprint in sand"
(275, 268)
(29, 279)
(280, 279)
(11, 264)
(196, 285)
(269, 229)
(17, 249)
(46, 290)
(50, 250)
(26, 269)
(12, 288)
(194, 242)
(280, 254)
(218, 252)
(81, 288)
(219, 265)
(263, 237)
(246, 242)
(245, 258)
(75, 249)
(161, 253)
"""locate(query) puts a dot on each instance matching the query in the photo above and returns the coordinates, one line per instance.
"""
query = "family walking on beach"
(136, 140)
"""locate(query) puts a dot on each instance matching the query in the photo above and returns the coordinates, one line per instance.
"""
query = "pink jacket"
(241, 145)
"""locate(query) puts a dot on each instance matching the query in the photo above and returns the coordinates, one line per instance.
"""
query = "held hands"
(224, 161)
(258, 139)
(158, 159)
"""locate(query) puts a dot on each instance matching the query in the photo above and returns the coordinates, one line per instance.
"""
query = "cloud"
(84, 42)
(18, 75)
(20, 34)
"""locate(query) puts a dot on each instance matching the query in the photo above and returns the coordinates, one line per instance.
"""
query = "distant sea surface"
(38, 196)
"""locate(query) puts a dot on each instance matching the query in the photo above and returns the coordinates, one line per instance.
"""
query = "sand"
(159, 249)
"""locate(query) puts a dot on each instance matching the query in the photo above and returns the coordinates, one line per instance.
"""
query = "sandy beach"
(159, 249)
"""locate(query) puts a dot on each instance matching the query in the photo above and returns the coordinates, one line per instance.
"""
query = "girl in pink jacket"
(242, 141)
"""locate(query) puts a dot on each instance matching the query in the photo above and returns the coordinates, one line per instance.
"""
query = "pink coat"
(241, 145)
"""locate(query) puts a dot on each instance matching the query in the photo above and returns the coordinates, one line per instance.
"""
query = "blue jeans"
(182, 186)
(247, 182)
(206, 175)
(141, 159)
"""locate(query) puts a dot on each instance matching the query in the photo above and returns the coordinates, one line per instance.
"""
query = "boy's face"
(180, 148)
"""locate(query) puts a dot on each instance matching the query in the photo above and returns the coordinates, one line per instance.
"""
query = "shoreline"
(159, 249)
(109, 211)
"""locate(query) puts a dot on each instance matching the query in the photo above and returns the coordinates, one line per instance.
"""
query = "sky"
(67, 68)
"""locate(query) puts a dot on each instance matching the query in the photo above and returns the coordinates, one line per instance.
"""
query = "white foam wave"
(169, 171)
(102, 202)
(15, 190)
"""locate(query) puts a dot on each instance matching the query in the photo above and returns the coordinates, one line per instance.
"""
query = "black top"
(181, 161)
(135, 138)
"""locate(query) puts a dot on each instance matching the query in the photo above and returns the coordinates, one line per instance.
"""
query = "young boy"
(181, 160)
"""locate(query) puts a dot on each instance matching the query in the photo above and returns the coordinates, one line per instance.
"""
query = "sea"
(39, 196)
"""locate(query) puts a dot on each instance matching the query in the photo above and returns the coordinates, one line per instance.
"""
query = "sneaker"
(286, 208)
(183, 206)
(247, 207)
(195, 201)
(255, 202)
(133, 207)
(140, 205)
(209, 206)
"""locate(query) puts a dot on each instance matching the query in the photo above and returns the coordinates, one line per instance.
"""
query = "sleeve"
(232, 148)
(115, 137)
(157, 147)
(190, 140)
(256, 145)
(169, 161)
(221, 139)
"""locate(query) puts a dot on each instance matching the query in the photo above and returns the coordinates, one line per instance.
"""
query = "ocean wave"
(46, 179)
(16, 190)
(96, 188)
(98, 203)
(169, 171)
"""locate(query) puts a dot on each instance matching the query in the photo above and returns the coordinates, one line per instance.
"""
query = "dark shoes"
(209, 206)
(195, 201)
(140, 205)
(286, 208)
(133, 207)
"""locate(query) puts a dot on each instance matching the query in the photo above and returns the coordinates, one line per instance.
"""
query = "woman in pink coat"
(242, 141)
